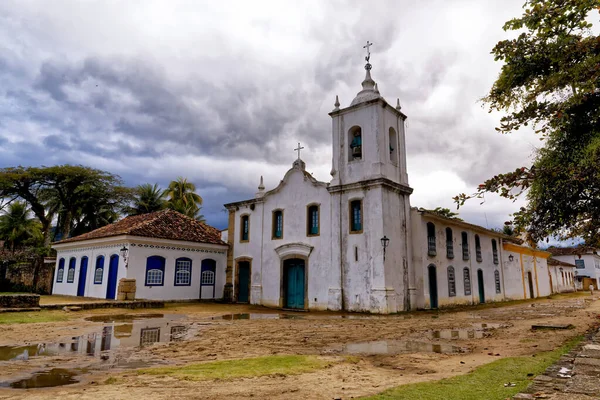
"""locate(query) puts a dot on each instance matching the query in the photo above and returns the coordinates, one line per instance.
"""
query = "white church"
(355, 243)
(352, 244)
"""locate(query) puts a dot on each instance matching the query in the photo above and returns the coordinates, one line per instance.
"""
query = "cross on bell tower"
(298, 150)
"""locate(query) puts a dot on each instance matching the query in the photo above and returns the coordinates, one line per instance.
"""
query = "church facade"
(355, 243)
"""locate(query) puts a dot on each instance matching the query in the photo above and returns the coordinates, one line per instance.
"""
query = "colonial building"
(586, 260)
(355, 243)
(170, 256)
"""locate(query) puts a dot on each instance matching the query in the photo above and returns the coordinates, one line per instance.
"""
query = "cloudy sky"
(221, 92)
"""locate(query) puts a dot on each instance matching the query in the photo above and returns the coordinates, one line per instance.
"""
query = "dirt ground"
(326, 335)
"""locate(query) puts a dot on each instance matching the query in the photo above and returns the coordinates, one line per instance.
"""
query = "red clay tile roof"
(165, 224)
(569, 251)
(554, 261)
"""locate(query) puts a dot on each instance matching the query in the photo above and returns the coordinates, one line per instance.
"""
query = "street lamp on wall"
(511, 258)
(384, 242)
(124, 252)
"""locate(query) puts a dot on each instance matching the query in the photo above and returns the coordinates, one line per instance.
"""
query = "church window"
(451, 282)
(355, 143)
(495, 251)
(149, 336)
(465, 245)
(245, 228)
(478, 249)
(393, 146)
(467, 281)
(497, 280)
(61, 271)
(99, 270)
(356, 217)
(71, 271)
(355, 253)
(431, 239)
(183, 272)
(449, 244)
(277, 224)
(155, 271)
(312, 220)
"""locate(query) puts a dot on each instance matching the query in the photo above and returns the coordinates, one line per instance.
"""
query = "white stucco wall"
(591, 262)
(563, 278)
(526, 261)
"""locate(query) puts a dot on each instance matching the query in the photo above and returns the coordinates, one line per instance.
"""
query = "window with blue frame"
(245, 228)
(61, 270)
(71, 271)
(277, 224)
(312, 223)
(155, 271)
(579, 264)
(183, 272)
(356, 217)
(99, 270)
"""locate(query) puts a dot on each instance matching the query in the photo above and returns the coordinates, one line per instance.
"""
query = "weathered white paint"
(591, 262)
(139, 250)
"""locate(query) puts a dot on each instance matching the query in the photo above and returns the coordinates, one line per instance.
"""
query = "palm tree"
(148, 198)
(181, 196)
(16, 226)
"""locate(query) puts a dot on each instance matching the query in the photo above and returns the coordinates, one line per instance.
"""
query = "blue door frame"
(293, 282)
(82, 276)
(111, 284)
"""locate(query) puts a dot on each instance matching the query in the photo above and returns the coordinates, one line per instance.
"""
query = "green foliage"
(550, 80)
(244, 368)
(17, 227)
(148, 198)
(486, 382)
(446, 213)
(182, 197)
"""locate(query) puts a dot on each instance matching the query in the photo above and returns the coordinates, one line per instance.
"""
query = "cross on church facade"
(298, 150)
(369, 44)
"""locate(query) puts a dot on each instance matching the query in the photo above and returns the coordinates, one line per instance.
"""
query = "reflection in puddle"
(231, 317)
(43, 379)
(459, 334)
(127, 317)
(400, 347)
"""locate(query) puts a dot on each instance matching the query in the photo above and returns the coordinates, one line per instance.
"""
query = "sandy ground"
(321, 334)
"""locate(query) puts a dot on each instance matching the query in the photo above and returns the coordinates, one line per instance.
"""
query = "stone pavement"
(576, 376)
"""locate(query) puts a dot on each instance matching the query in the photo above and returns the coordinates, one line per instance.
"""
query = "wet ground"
(75, 358)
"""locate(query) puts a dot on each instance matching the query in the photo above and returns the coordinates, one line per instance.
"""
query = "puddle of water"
(10, 353)
(127, 317)
(454, 334)
(231, 317)
(44, 379)
(489, 325)
(400, 347)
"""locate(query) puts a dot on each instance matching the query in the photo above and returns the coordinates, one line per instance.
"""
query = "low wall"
(19, 300)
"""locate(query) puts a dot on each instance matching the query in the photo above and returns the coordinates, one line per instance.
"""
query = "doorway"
(293, 283)
(111, 285)
(433, 292)
(481, 287)
(82, 276)
(208, 271)
(530, 279)
(243, 286)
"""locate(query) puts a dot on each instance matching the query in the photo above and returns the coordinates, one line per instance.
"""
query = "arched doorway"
(243, 282)
(530, 279)
(294, 273)
(82, 276)
(207, 278)
(433, 292)
(111, 284)
(481, 286)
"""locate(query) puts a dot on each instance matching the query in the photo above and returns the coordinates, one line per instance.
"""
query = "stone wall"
(19, 301)
(126, 289)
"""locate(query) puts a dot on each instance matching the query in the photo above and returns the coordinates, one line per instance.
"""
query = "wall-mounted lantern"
(384, 242)
(124, 252)
(511, 258)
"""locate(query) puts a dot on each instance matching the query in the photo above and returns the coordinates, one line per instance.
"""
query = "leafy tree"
(147, 198)
(446, 213)
(551, 80)
(17, 227)
(182, 197)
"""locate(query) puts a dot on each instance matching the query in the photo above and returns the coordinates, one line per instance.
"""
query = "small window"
(393, 146)
(355, 144)
(245, 228)
(495, 251)
(277, 225)
(465, 246)
(478, 249)
(178, 333)
(61, 271)
(71, 272)
(431, 239)
(449, 244)
(497, 280)
(467, 281)
(99, 270)
(451, 282)
(208, 278)
(356, 218)
(312, 221)
(579, 264)
(183, 272)
(149, 336)
(155, 271)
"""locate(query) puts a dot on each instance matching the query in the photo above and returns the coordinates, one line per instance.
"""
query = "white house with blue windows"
(170, 256)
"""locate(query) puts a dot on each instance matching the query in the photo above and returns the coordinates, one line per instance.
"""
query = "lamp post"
(124, 252)
(384, 242)
(511, 258)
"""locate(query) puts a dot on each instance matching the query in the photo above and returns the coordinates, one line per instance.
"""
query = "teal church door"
(293, 281)
(243, 282)
(481, 287)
